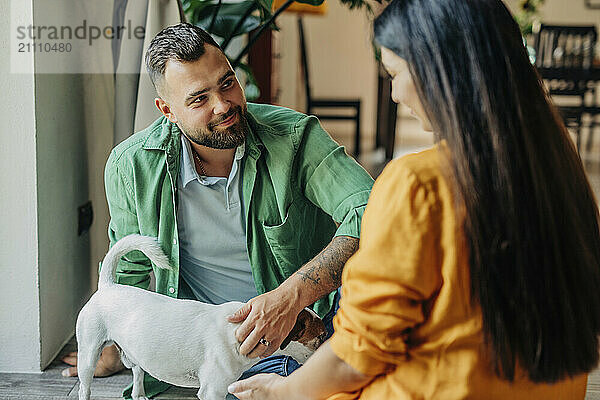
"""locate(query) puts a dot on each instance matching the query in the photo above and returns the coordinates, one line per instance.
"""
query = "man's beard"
(224, 138)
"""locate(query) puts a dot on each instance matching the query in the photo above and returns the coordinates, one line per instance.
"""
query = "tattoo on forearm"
(326, 268)
(310, 274)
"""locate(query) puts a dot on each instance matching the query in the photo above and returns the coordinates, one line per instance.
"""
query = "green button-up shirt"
(296, 182)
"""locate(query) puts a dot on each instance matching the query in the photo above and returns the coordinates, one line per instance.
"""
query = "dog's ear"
(297, 331)
(314, 334)
(308, 327)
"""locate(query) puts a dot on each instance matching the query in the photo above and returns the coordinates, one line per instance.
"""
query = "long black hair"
(531, 219)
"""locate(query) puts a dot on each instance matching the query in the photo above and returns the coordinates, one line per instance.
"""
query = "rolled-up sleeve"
(395, 270)
(133, 269)
(331, 179)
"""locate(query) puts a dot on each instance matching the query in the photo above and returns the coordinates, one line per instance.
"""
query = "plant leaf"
(228, 16)
(265, 4)
(251, 88)
(311, 2)
(193, 8)
(227, 8)
(224, 24)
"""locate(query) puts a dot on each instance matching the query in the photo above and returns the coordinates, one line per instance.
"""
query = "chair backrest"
(304, 60)
(559, 46)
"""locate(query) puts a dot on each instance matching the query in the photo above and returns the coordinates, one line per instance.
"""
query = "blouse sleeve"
(395, 270)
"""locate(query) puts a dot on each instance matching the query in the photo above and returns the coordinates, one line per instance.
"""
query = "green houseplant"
(528, 14)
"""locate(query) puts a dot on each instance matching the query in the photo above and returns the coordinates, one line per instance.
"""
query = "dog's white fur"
(183, 342)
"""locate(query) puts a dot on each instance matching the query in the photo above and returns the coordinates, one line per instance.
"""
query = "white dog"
(182, 342)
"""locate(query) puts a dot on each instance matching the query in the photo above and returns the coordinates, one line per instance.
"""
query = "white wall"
(98, 94)
(62, 187)
(19, 301)
(45, 179)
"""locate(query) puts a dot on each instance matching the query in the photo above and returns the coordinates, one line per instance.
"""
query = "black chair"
(565, 60)
(329, 103)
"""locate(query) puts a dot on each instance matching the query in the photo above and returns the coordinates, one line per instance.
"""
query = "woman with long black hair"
(478, 272)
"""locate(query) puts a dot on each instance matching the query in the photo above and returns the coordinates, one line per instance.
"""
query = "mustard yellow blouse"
(405, 313)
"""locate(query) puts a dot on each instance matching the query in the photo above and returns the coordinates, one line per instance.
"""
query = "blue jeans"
(285, 365)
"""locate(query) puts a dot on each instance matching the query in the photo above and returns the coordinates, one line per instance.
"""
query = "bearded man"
(254, 203)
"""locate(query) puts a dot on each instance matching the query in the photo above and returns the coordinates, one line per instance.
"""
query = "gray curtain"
(134, 95)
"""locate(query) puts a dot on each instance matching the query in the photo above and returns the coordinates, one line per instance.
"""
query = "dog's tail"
(146, 244)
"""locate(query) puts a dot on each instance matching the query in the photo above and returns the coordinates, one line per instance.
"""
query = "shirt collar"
(240, 151)
(188, 167)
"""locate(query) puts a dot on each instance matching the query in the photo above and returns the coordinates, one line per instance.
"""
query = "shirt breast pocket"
(283, 240)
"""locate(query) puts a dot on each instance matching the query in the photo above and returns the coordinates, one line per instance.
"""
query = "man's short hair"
(181, 42)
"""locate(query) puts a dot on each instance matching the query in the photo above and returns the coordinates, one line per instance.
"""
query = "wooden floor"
(51, 385)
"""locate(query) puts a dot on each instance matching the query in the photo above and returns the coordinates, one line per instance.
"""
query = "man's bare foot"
(108, 364)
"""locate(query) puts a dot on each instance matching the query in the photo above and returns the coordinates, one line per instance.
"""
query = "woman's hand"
(326, 373)
(261, 387)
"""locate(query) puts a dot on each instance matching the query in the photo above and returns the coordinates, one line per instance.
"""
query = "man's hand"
(108, 364)
(270, 316)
